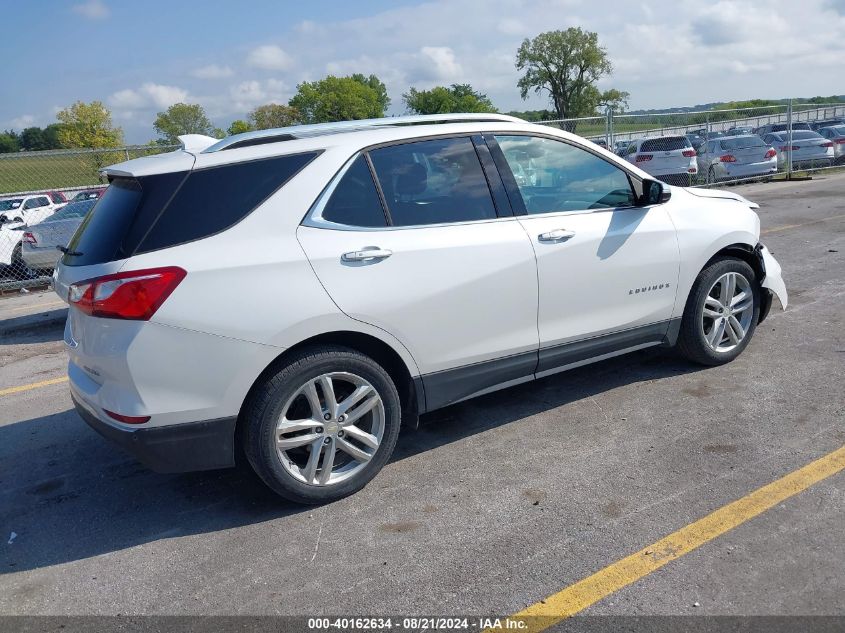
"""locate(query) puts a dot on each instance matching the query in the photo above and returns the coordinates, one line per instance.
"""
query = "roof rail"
(260, 137)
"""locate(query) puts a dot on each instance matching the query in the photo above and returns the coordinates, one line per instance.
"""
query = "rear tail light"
(840, 141)
(727, 158)
(127, 419)
(771, 153)
(641, 158)
(689, 153)
(29, 238)
(134, 295)
(828, 144)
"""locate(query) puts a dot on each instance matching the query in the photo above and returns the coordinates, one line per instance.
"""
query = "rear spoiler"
(195, 143)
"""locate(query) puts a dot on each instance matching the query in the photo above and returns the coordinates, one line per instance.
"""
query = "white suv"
(301, 292)
(668, 158)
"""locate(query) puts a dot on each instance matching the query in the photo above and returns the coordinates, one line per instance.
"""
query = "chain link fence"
(721, 146)
(689, 148)
(37, 186)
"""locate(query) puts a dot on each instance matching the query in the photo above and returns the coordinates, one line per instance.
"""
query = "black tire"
(711, 177)
(20, 271)
(691, 339)
(266, 404)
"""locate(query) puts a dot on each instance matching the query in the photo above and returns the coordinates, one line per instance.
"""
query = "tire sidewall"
(280, 388)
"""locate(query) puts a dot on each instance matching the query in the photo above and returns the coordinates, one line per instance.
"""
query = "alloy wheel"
(330, 428)
(727, 312)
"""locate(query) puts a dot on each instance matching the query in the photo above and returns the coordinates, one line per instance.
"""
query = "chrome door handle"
(366, 255)
(558, 235)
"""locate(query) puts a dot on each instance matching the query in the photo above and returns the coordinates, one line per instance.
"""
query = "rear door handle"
(558, 235)
(366, 255)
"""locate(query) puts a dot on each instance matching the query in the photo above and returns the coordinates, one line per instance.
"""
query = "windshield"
(73, 210)
(741, 142)
(839, 129)
(8, 205)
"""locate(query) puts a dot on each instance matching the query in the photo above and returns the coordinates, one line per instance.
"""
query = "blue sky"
(139, 57)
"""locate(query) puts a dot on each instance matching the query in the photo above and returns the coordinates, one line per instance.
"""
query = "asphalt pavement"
(492, 505)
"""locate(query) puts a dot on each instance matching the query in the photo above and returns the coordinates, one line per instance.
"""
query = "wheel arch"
(410, 388)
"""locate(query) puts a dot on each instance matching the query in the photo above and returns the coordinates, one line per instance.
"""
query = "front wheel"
(721, 312)
(323, 425)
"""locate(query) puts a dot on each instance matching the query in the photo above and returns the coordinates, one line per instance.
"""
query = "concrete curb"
(33, 321)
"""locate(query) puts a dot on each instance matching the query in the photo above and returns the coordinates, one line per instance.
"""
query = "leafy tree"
(336, 99)
(182, 118)
(616, 100)
(88, 125)
(239, 126)
(272, 115)
(533, 115)
(565, 64)
(442, 100)
(376, 84)
(32, 139)
(9, 142)
(51, 136)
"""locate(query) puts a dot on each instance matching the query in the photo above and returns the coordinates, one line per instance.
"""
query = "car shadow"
(50, 331)
(67, 494)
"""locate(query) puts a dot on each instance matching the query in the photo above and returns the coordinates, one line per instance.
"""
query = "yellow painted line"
(34, 385)
(786, 227)
(586, 592)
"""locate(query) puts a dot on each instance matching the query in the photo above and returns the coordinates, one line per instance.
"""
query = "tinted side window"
(216, 198)
(555, 176)
(431, 182)
(355, 201)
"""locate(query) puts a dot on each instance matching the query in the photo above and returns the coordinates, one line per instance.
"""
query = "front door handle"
(558, 235)
(368, 254)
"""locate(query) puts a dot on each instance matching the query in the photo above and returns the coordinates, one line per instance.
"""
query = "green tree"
(376, 84)
(32, 139)
(88, 125)
(273, 115)
(182, 118)
(51, 136)
(442, 100)
(9, 142)
(566, 65)
(239, 126)
(336, 99)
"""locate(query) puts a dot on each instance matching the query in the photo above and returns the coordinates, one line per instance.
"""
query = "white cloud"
(23, 121)
(148, 95)
(269, 57)
(439, 63)
(213, 71)
(248, 94)
(93, 10)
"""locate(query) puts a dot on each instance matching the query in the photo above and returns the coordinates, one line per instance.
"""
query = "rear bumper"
(205, 445)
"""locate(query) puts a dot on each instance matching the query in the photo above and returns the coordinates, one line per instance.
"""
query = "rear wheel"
(721, 312)
(20, 270)
(323, 425)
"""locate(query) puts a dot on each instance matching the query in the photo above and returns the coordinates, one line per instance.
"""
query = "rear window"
(742, 142)
(665, 144)
(802, 136)
(155, 212)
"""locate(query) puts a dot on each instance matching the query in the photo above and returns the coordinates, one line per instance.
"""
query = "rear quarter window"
(154, 212)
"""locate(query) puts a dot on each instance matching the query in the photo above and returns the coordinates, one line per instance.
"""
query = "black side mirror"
(654, 192)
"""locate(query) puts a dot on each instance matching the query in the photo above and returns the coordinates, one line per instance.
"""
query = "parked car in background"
(668, 158)
(733, 157)
(808, 149)
(836, 135)
(89, 194)
(740, 130)
(619, 147)
(600, 142)
(57, 197)
(817, 125)
(40, 242)
(26, 209)
(695, 139)
(781, 127)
